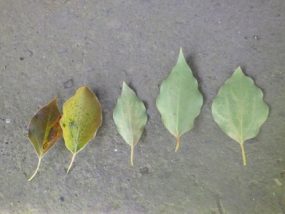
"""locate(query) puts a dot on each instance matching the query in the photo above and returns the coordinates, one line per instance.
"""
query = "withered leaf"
(44, 130)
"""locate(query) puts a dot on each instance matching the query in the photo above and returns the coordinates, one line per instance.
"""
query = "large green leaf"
(179, 101)
(82, 116)
(44, 130)
(239, 109)
(130, 117)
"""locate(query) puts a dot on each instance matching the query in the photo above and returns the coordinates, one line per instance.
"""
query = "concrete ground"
(51, 47)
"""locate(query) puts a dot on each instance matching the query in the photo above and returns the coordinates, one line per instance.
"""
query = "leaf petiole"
(243, 153)
(71, 162)
(132, 154)
(177, 143)
(37, 169)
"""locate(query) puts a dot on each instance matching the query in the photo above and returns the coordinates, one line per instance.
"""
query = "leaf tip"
(238, 71)
(53, 101)
(124, 84)
(84, 89)
(181, 55)
(125, 87)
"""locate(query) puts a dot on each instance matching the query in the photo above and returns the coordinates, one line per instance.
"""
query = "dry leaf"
(44, 130)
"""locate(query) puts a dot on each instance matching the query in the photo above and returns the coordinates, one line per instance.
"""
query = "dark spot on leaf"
(72, 124)
(46, 145)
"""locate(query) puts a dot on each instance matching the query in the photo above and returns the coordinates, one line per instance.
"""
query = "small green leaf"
(82, 117)
(130, 117)
(179, 101)
(44, 130)
(239, 109)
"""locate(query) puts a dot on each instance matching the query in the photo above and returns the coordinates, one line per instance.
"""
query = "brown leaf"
(44, 130)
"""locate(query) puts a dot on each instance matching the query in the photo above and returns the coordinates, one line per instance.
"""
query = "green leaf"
(179, 101)
(82, 117)
(130, 117)
(239, 109)
(44, 130)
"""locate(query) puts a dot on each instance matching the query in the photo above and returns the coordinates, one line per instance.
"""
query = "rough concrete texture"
(51, 47)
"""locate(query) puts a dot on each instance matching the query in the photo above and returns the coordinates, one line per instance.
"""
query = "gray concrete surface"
(45, 43)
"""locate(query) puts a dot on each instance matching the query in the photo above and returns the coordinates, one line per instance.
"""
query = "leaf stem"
(177, 143)
(37, 169)
(71, 162)
(132, 154)
(243, 154)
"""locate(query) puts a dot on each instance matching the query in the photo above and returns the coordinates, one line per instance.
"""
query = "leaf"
(130, 117)
(44, 130)
(179, 101)
(239, 109)
(82, 117)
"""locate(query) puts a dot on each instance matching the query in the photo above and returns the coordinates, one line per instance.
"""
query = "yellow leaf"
(82, 116)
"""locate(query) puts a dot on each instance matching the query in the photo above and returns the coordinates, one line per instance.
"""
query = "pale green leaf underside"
(179, 101)
(130, 116)
(239, 108)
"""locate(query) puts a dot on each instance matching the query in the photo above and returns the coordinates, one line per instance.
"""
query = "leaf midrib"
(46, 132)
(178, 110)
